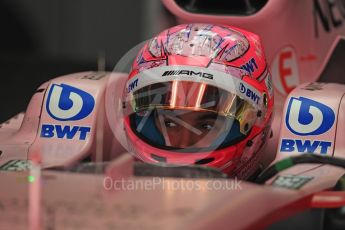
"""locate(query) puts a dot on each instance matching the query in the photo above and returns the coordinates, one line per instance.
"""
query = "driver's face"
(183, 128)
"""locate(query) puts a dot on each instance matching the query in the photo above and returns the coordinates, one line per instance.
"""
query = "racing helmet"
(200, 94)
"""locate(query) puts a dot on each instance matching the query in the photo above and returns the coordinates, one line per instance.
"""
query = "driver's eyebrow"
(185, 124)
(212, 116)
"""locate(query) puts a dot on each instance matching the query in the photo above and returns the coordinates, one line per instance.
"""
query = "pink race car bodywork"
(37, 137)
(300, 38)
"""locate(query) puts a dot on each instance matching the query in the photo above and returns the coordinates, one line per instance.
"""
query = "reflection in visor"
(186, 129)
(191, 129)
(191, 96)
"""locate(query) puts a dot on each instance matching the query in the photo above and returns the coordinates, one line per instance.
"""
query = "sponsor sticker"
(306, 117)
(305, 146)
(250, 66)
(64, 131)
(188, 73)
(249, 93)
(16, 165)
(67, 103)
(291, 181)
(132, 85)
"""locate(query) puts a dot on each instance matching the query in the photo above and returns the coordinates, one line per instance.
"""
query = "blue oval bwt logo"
(67, 103)
(242, 88)
(307, 117)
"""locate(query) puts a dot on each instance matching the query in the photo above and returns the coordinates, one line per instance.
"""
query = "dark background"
(43, 39)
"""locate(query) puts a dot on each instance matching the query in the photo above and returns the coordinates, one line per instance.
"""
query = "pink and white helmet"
(200, 94)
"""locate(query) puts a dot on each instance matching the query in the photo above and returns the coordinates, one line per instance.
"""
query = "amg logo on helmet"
(187, 72)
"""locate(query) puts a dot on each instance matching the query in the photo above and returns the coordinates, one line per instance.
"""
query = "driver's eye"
(169, 124)
(206, 126)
